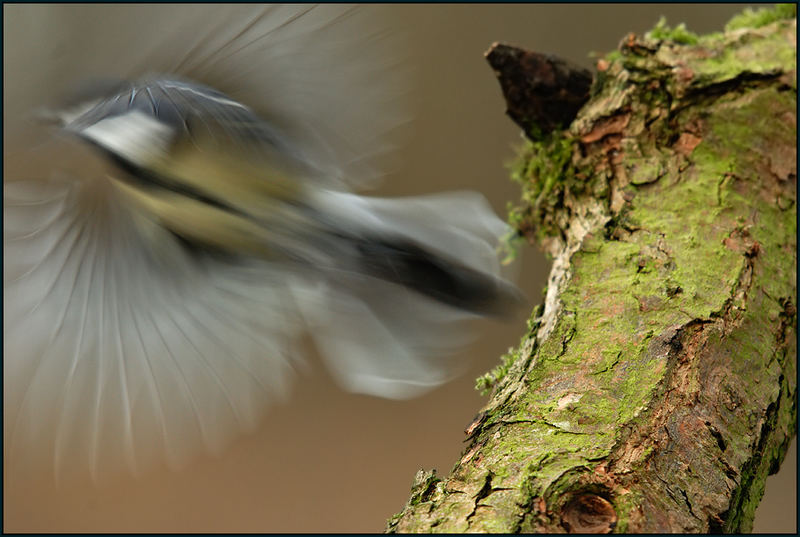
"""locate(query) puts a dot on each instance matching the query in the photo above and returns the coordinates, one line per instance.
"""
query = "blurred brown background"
(328, 461)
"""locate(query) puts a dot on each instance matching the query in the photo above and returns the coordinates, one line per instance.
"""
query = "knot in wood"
(589, 513)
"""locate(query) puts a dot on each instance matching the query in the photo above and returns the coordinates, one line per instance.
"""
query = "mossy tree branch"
(656, 388)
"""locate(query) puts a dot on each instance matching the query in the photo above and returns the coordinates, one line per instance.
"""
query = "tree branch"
(656, 387)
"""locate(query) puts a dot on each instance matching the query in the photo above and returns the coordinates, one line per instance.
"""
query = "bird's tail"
(395, 302)
(402, 261)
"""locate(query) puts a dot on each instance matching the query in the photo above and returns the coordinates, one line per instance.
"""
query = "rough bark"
(656, 387)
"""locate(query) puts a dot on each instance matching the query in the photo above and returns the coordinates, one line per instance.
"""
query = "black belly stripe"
(143, 177)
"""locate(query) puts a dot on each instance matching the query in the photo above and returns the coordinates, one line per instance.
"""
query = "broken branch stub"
(542, 92)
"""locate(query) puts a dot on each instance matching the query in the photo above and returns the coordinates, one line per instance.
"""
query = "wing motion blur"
(167, 247)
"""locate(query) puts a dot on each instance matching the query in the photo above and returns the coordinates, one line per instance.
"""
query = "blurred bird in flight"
(180, 223)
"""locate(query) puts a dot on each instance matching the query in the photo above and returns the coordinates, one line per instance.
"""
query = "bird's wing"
(120, 347)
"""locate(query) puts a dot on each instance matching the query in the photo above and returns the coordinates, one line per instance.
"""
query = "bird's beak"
(48, 117)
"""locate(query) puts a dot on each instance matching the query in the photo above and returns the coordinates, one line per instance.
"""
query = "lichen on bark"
(656, 387)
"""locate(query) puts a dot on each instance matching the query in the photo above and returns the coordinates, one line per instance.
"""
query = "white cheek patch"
(134, 136)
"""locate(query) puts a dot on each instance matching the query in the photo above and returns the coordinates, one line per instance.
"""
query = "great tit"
(153, 300)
